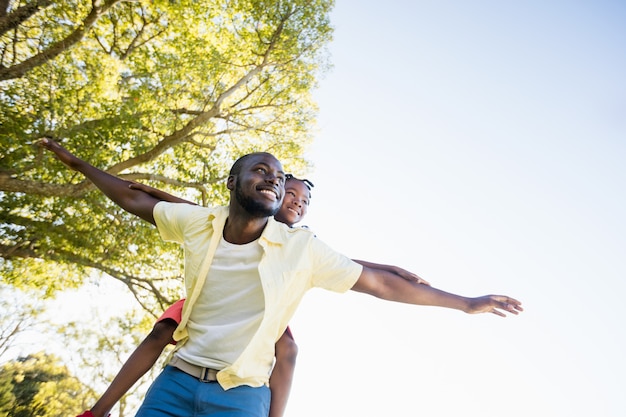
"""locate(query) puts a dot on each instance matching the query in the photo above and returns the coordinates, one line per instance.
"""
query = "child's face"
(295, 204)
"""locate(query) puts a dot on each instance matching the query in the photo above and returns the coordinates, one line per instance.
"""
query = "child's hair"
(306, 182)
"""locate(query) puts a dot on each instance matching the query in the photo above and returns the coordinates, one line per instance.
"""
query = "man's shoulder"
(292, 230)
(188, 213)
(281, 233)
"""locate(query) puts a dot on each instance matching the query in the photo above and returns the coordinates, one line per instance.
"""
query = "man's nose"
(273, 178)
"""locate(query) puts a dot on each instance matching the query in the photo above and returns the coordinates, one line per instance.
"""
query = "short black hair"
(239, 163)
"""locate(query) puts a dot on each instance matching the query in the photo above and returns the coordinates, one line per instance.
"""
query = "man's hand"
(118, 190)
(61, 153)
(494, 304)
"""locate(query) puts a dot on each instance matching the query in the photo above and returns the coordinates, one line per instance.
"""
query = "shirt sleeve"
(172, 219)
(332, 270)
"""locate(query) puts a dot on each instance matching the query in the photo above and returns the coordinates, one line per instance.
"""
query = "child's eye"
(291, 193)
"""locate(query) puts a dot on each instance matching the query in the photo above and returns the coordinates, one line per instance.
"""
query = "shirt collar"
(217, 218)
(274, 232)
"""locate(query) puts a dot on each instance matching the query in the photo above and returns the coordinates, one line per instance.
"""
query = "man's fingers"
(511, 308)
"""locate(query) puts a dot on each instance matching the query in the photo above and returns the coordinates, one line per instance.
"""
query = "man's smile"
(271, 193)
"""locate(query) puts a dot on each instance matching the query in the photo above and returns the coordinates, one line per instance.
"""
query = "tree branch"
(170, 181)
(59, 47)
(202, 117)
(10, 184)
(133, 283)
(9, 21)
(137, 42)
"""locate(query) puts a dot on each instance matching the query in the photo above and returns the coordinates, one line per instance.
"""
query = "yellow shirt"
(293, 262)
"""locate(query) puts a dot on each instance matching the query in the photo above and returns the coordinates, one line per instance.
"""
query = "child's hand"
(159, 194)
(409, 276)
(143, 187)
(88, 413)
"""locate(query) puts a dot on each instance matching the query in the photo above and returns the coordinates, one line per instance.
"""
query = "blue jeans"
(177, 394)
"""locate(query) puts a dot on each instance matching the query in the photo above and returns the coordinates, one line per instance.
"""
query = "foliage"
(100, 350)
(19, 315)
(37, 385)
(93, 348)
(167, 92)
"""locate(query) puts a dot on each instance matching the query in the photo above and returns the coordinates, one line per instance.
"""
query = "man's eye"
(261, 170)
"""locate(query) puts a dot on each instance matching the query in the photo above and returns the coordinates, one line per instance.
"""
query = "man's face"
(295, 204)
(259, 187)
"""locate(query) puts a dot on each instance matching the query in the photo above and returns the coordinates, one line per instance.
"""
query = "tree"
(19, 314)
(167, 92)
(99, 350)
(93, 348)
(37, 385)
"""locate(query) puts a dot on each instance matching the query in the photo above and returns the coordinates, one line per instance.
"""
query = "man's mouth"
(270, 193)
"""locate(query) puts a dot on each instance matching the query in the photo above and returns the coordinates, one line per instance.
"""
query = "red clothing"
(174, 312)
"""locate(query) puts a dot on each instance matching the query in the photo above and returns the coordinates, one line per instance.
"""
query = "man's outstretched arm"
(134, 201)
(388, 286)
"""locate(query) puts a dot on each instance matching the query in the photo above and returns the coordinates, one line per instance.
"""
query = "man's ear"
(230, 182)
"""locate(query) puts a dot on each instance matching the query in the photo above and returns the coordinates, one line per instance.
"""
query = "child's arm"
(142, 359)
(137, 203)
(160, 194)
(409, 276)
(282, 374)
(138, 363)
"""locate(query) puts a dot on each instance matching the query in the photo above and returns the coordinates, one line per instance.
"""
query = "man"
(293, 209)
(245, 275)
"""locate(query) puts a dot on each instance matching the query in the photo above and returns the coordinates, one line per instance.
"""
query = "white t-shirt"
(229, 309)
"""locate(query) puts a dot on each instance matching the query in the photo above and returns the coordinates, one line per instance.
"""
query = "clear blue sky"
(481, 145)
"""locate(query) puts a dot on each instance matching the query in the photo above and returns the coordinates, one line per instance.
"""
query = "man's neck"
(240, 230)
